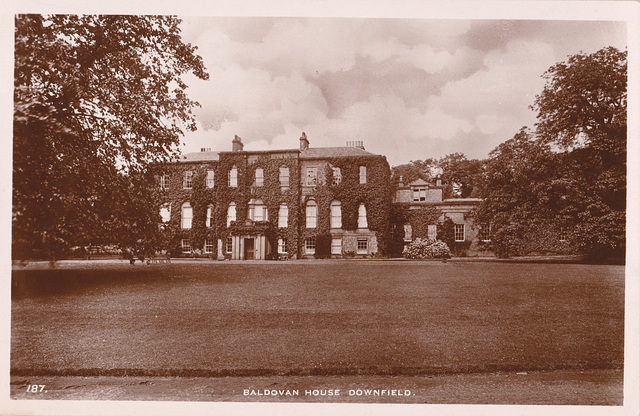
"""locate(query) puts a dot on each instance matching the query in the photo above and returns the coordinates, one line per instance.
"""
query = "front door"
(248, 249)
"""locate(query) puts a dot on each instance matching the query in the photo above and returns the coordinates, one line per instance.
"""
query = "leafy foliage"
(585, 99)
(375, 194)
(96, 100)
(461, 176)
(446, 233)
(427, 249)
(571, 172)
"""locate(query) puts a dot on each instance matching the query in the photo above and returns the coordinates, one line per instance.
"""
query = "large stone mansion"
(299, 203)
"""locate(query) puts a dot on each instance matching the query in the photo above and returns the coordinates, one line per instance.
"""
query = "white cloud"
(434, 90)
(423, 57)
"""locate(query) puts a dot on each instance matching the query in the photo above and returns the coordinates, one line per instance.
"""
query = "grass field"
(333, 317)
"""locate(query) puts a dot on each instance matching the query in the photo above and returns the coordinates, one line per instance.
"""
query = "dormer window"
(419, 194)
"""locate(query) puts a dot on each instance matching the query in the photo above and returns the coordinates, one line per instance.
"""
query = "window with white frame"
(259, 177)
(208, 245)
(186, 217)
(363, 174)
(337, 176)
(362, 216)
(210, 177)
(164, 182)
(257, 210)
(311, 214)
(210, 216)
(485, 232)
(284, 176)
(186, 246)
(310, 245)
(336, 246)
(563, 234)
(419, 194)
(187, 180)
(229, 245)
(165, 212)
(336, 214)
(233, 177)
(458, 232)
(363, 246)
(282, 245)
(231, 213)
(283, 216)
(312, 176)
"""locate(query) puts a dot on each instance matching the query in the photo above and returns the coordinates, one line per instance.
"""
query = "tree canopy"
(460, 176)
(571, 171)
(97, 99)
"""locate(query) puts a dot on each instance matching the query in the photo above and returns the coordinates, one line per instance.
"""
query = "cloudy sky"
(409, 88)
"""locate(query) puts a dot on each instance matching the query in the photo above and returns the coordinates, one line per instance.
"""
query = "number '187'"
(35, 388)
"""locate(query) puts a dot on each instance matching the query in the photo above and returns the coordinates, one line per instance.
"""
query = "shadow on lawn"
(53, 282)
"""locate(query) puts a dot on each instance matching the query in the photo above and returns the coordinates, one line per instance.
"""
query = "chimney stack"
(236, 144)
(304, 142)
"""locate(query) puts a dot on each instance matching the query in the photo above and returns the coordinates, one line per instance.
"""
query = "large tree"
(583, 109)
(571, 171)
(97, 100)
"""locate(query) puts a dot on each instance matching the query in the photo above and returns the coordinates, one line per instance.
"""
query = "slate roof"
(325, 152)
(199, 157)
(420, 182)
(310, 153)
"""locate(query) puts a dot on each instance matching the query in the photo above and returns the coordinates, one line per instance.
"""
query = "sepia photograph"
(289, 211)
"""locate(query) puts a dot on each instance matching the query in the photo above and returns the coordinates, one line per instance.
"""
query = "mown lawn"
(334, 317)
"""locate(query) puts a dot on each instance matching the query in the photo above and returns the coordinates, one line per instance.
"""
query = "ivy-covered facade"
(419, 211)
(292, 203)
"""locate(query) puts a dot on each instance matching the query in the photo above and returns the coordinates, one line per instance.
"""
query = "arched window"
(210, 216)
(362, 216)
(165, 212)
(257, 210)
(311, 213)
(187, 216)
(231, 213)
(259, 177)
(284, 176)
(336, 215)
(233, 177)
(283, 216)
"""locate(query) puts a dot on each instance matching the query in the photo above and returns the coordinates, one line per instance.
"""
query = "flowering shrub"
(426, 248)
